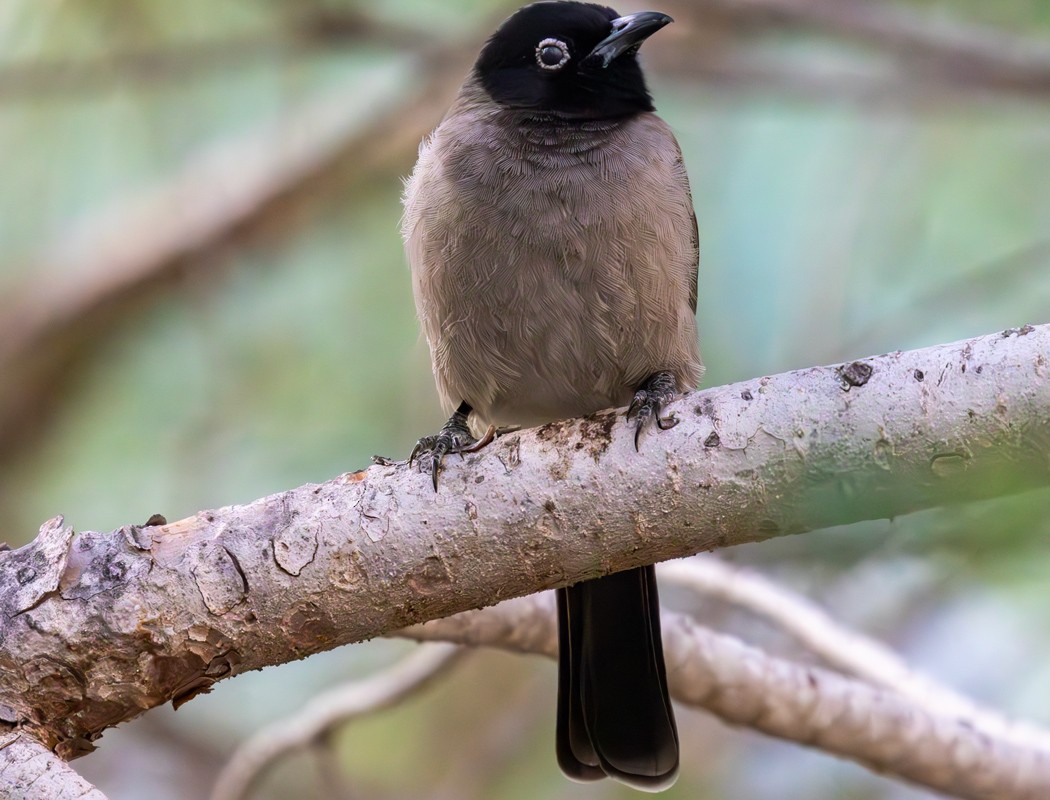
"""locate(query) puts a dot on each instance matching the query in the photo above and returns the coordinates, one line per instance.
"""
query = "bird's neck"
(562, 133)
(534, 130)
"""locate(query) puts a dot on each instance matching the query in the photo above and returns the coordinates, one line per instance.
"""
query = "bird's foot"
(454, 437)
(657, 391)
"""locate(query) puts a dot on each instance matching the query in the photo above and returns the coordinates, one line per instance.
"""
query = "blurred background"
(203, 300)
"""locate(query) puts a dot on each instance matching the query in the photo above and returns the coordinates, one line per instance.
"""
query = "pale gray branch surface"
(29, 771)
(878, 728)
(97, 627)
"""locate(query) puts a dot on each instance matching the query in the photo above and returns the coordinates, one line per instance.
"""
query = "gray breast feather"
(553, 271)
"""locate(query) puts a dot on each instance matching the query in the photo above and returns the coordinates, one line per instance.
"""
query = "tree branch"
(29, 771)
(808, 705)
(908, 58)
(842, 648)
(97, 627)
(328, 710)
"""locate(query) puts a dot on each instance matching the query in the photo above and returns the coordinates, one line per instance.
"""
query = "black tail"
(614, 714)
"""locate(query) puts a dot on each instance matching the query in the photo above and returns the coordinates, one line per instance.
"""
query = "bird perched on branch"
(553, 246)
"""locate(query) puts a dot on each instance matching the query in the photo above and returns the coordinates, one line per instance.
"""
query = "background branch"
(122, 259)
(300, 32)
(731, 671)
(327, 711)
(844, 649)
(879, 729)
(945, 50)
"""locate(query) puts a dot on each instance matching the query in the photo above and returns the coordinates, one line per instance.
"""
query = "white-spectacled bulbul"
(553, 245)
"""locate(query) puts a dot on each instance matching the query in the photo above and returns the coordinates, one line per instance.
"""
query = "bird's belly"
(525, 341)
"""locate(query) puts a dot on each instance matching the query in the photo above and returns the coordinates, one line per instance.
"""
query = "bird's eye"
(552, 54)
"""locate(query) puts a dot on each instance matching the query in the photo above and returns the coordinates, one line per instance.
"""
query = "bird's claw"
(649, 400)
(430, 451)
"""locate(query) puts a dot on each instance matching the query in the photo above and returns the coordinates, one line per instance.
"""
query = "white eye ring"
(558, 43)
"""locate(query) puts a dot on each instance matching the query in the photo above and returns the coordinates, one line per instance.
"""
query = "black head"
(569, 59)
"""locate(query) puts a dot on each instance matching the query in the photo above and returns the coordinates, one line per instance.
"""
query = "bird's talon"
(637, 403)
(423, 444)
(648, 402)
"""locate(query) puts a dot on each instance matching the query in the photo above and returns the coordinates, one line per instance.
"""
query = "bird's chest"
(529, 271)
(521, 221)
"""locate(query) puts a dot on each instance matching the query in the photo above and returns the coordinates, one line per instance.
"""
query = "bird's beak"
(627, 35)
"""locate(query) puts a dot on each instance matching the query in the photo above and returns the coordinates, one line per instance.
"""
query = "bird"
(550, 231)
